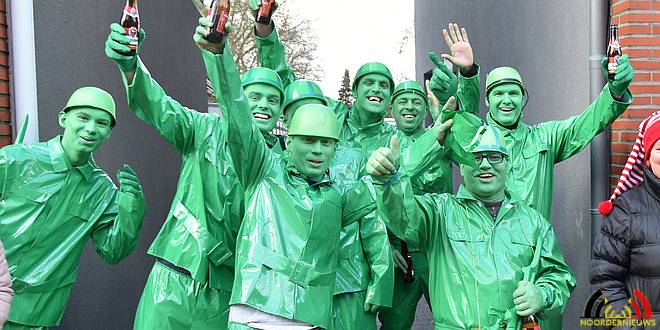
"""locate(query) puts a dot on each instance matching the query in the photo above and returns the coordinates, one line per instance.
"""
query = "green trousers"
(172, 300)
(406, 296)
(348, 312)
(16, 326)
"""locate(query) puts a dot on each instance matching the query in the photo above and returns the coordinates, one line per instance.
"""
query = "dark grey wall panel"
(547, 41)
(70, 36)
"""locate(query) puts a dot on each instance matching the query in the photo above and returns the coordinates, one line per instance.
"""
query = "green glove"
(443, 83)
(129, 186)
(623, 77)
(117, 43)
(202, 31)
(369, 308)
(527, 298)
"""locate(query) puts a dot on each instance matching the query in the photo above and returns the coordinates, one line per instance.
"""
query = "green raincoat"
(476, 263)
(199, 234)
(288, 244)
(48, 210)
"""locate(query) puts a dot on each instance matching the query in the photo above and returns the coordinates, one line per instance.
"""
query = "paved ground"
(423, 318)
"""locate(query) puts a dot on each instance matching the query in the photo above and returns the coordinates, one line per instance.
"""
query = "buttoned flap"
(520, 239)
(84, 212)
(220, 254)
(31, 193)
(461, 235)
(534, 149)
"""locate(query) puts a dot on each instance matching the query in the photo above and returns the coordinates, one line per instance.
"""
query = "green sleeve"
(174, 122)
(270, 51)
(554, 279)
(570, 136)
(408, 216)
(419, 155)
(3, 171)
(375, 243)
(250, 155)
(468, 92)
(119, 227)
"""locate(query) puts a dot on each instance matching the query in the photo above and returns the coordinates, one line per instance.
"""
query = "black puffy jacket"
(627, 250)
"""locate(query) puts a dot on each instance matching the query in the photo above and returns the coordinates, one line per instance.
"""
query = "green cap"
(488, 138)
(261, 75)
(501, 75)
(93, 97)
(300, 90)
(408, 86)
(372, 67)
(314, 120)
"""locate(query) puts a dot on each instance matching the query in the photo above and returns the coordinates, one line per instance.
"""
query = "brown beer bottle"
(130, 20)
(613, 51)
(530, 323)
(265, 11)
(219, 15)
(409, 275)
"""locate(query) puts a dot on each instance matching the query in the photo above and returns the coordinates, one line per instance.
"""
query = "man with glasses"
(485, 247)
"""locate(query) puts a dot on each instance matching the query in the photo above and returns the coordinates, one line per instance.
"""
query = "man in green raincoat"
(53, 198)
(492, 259)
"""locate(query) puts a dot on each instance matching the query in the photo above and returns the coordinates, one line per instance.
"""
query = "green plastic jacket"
(536, 149)
(288, 244)
(200, 231)
(48, 210)
(475, 263)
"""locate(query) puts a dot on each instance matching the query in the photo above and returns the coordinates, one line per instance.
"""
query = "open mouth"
(315, 162)
(486, 176)
(375, 99)
(409, 116)
(506, 110)
(261, 116)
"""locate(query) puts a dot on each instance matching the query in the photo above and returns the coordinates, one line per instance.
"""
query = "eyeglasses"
(493, 159)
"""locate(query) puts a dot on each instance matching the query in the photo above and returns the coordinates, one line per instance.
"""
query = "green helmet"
(93, 97)
(314, 120)
(300, 90)
(503, 74)
(409, 86)
(372, 67)
(261, 75)
(488, 138)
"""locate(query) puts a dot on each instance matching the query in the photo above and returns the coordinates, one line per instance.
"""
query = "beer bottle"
(130, 20)
(265, 11)
(219, 15)
(409, 275)
(530, 322)
(613, 51)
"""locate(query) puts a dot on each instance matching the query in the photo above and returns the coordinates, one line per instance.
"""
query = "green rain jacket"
(287, 249)
(475, 263)
(200, 231)
(534, 150)
(48, 210)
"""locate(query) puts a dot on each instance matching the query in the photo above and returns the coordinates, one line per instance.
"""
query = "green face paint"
(487, 181)
(264, 101)
(505, 103)
(311, 155)
(85, 129)
(409, 111)
(291, 108)
(373, 93)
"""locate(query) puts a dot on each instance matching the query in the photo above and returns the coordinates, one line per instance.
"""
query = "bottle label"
(132, 34)
(222, 21)
(130, 11)
(612, 64)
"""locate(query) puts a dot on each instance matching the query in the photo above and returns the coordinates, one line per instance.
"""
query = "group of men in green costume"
(305, 231)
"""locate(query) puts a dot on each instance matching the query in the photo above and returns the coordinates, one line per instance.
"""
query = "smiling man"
(485, 248)
(53, 198)
(263, 89)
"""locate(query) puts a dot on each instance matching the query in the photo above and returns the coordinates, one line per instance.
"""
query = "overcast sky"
(353, 32)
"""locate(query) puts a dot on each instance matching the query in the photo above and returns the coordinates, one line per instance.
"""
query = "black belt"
(173, 267)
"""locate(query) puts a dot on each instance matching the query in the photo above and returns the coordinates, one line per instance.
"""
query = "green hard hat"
(261, 75)
(501, 75)
(372, 67)
(314, 120)
(408, 86)
(93, 97)
(300, 90)
(488, 138)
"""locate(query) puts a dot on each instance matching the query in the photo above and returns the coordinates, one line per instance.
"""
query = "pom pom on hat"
(605, 208)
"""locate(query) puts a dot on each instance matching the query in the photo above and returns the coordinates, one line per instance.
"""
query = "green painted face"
(409, 111)
(505, 103)
(85, 129)
(291, 108)
(264, 101)
(373, 93)
(486, 182)
(311, 155)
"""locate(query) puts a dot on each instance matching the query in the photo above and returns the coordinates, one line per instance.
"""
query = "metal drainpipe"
(598, 22)
(23, 67)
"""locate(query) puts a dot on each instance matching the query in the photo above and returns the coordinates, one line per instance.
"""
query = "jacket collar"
(466, 195)
(61, 162)
(293, 171)
(355, 124)
(517, 133)
(652, 183)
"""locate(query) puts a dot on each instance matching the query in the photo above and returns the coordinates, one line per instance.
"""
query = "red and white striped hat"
(633, 173)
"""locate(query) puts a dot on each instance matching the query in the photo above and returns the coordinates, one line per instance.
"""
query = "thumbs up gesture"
(384, 161)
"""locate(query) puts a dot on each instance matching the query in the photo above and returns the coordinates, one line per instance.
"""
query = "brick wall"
(5, 114)
(639, 33)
